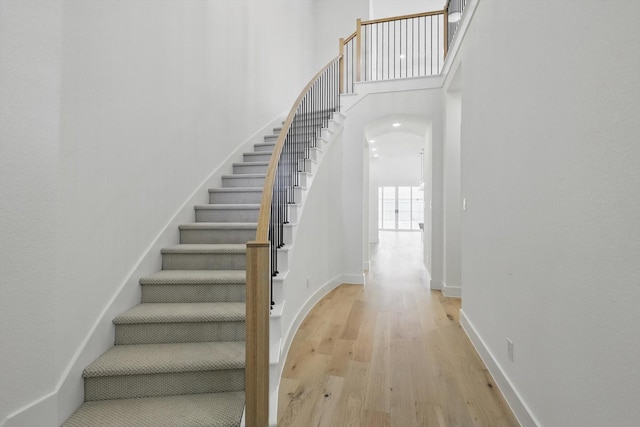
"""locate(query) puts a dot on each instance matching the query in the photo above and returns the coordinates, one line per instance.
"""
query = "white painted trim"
(400, 85)
(435, 285)
(451, 291)
(511, 395)
(353, 279)
(34, 413)
(366, 265)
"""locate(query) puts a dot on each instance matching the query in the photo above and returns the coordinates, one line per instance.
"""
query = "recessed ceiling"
(397, 144)
(410, 123)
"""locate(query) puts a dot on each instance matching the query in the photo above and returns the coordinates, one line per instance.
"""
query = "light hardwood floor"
(390, 353)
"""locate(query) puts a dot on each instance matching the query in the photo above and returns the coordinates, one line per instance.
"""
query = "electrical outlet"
(510, 349)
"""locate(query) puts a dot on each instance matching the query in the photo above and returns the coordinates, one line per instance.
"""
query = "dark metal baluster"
(431, 47)
(406, 48)
(438, 45)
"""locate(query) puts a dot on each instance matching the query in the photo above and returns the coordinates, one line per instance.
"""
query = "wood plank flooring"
(390, 353)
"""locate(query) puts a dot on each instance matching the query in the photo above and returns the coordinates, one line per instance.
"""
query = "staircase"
(179, 355)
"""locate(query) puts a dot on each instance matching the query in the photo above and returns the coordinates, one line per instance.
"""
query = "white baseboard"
(435, 285)
(38, 413)
(366, 266)
(511, 395)
(353, 279)
(451, 291)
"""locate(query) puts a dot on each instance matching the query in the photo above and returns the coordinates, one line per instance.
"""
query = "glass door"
(400, 208)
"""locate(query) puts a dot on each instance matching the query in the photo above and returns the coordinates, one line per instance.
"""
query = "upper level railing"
(395, 48)
(399, 47)
(382, 49)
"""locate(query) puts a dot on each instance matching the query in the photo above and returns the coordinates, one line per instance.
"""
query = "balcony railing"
(394, 48)
(399, 47)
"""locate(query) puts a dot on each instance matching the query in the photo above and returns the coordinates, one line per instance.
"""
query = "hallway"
(391, 353)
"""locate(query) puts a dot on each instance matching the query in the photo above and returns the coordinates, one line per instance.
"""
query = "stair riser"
(174, 261)
(247, 168)
(227, 215)
(257, 157)
(193, 293)
(305, 179)
(147, 385)
(241, 181)
(240, 197)
(283, 261)
(217, 236)
(161, 333)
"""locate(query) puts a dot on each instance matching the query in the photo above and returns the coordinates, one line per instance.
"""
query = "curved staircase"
(179, 355)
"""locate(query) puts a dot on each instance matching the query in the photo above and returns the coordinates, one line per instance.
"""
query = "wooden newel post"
(257, 334)
(358, 49)
(341, 62)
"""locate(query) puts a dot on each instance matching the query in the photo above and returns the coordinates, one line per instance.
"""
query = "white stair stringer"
(276, 333)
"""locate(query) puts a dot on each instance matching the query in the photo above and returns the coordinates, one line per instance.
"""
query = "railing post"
(446, 29)
(341, 62)
(257, 334)
(358, 48)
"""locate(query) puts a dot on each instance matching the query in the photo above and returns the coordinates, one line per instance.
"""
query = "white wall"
(30, 55)
(317, 259)
(113, 114)
(399, 158)
(452, 200)
(429, 221)
(551, 174)
(333, 20)
(387, 8)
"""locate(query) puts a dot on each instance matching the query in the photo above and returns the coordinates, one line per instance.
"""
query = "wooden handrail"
(348, 39)
(399, 18)
(262, 234)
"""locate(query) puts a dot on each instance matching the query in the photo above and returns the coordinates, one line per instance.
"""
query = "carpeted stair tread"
(196, 248)
(195, 277)
(167, 358)
(247, 175)
(219, 226)
(229, 206)
(251, 164)
(234, 190)
(255, 154)
(183, 312)
(195, 410)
